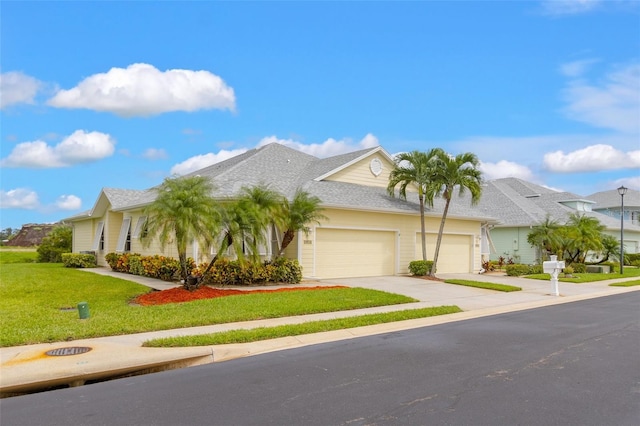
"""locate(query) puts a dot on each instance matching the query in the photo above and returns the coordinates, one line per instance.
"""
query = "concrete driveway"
(438, 293)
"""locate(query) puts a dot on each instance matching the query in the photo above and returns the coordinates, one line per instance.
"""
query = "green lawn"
(587, 278)
(33, 298)
(11, 255)
(485, 285)
(265, 333)
(626, 284)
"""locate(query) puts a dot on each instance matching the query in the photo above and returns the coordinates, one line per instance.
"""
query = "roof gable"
(370, 167)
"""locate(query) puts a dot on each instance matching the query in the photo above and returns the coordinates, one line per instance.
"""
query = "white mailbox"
(553, 267)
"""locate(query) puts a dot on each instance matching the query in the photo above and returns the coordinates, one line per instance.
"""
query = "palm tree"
(295, 215)
(610, 249)
(583, 234)
(545, 237)
(245, 221)
(459, 173)
(183, 211)
(414, 168)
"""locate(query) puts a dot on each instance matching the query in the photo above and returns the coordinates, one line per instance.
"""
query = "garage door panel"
(455, 252)
(342, 253)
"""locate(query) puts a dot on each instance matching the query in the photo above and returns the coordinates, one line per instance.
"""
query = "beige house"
(368, 233)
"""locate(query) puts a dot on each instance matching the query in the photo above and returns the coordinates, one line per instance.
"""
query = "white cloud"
(576, 68)
(19, 198)
(68, 202)
(569, 7)
(591, 159)
(79, 147)
(629, 182)
(143, 90)
(328, 148)
(504, 169)
(201, 161)
(155, 154)
(613, 104)
(17, 88)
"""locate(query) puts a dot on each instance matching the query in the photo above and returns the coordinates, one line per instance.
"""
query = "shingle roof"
(285, 170)
(515, 202)
(612, 199)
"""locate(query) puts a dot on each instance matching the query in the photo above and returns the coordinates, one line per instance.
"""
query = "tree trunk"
(423, 230)
(432, 273)
(286, 240)
(229, 240)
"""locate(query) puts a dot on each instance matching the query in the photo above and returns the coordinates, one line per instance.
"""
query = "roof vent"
(532, 196)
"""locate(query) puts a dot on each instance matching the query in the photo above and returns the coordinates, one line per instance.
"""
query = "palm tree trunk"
(229, 240)
(423, 230)
(286, 240)
(432, 273)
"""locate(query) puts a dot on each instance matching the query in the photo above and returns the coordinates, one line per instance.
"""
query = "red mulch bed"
(179, 294)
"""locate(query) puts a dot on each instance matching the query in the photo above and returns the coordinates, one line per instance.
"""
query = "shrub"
(112, 260)
(632, 258)
(223, 272)
(488, 266)
(517, 269)
(232, 272)
(79, 260)
(283, 270)
(579, 268)
(135, 265)
(568, 270)
(58, 241)
(635, 263)
(420, 267)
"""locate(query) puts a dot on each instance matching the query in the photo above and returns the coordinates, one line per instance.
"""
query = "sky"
(125, 94)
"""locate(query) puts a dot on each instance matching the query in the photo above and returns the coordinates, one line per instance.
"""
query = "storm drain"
(73, 350)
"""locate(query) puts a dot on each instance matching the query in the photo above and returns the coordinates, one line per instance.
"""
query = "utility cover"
(73, 350)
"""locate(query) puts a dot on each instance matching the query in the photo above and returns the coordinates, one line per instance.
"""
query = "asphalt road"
(571, 364)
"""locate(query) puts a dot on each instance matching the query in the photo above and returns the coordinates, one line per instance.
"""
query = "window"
(124, 239)
(98, 239)
(140, 230)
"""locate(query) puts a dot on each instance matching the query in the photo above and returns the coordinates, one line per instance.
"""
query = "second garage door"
(455, 252)
(342, 253)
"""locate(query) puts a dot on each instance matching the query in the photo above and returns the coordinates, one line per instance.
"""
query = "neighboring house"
(610, 203)
(368, 233)
(519, 205)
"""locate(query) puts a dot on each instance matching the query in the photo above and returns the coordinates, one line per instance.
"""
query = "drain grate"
(73, 350)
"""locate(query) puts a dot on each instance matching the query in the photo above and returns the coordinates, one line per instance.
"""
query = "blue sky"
(123, 94)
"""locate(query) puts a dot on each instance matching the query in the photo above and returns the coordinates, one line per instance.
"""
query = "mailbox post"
(553, 267)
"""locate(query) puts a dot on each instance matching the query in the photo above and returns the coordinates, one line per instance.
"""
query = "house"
(610, 203)
(519, 205)
(367, 233)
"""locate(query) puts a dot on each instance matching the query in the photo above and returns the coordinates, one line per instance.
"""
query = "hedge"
(79, 260)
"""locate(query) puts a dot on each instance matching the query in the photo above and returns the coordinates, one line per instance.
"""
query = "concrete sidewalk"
(29, 368)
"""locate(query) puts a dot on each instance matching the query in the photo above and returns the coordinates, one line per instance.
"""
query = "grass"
(32, 298)
(625, 284)
(17, 256)
(485, 285)
(265, 333)
(589, 277)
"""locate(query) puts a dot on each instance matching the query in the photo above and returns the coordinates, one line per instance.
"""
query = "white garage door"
(455, 252)
(342, 253)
